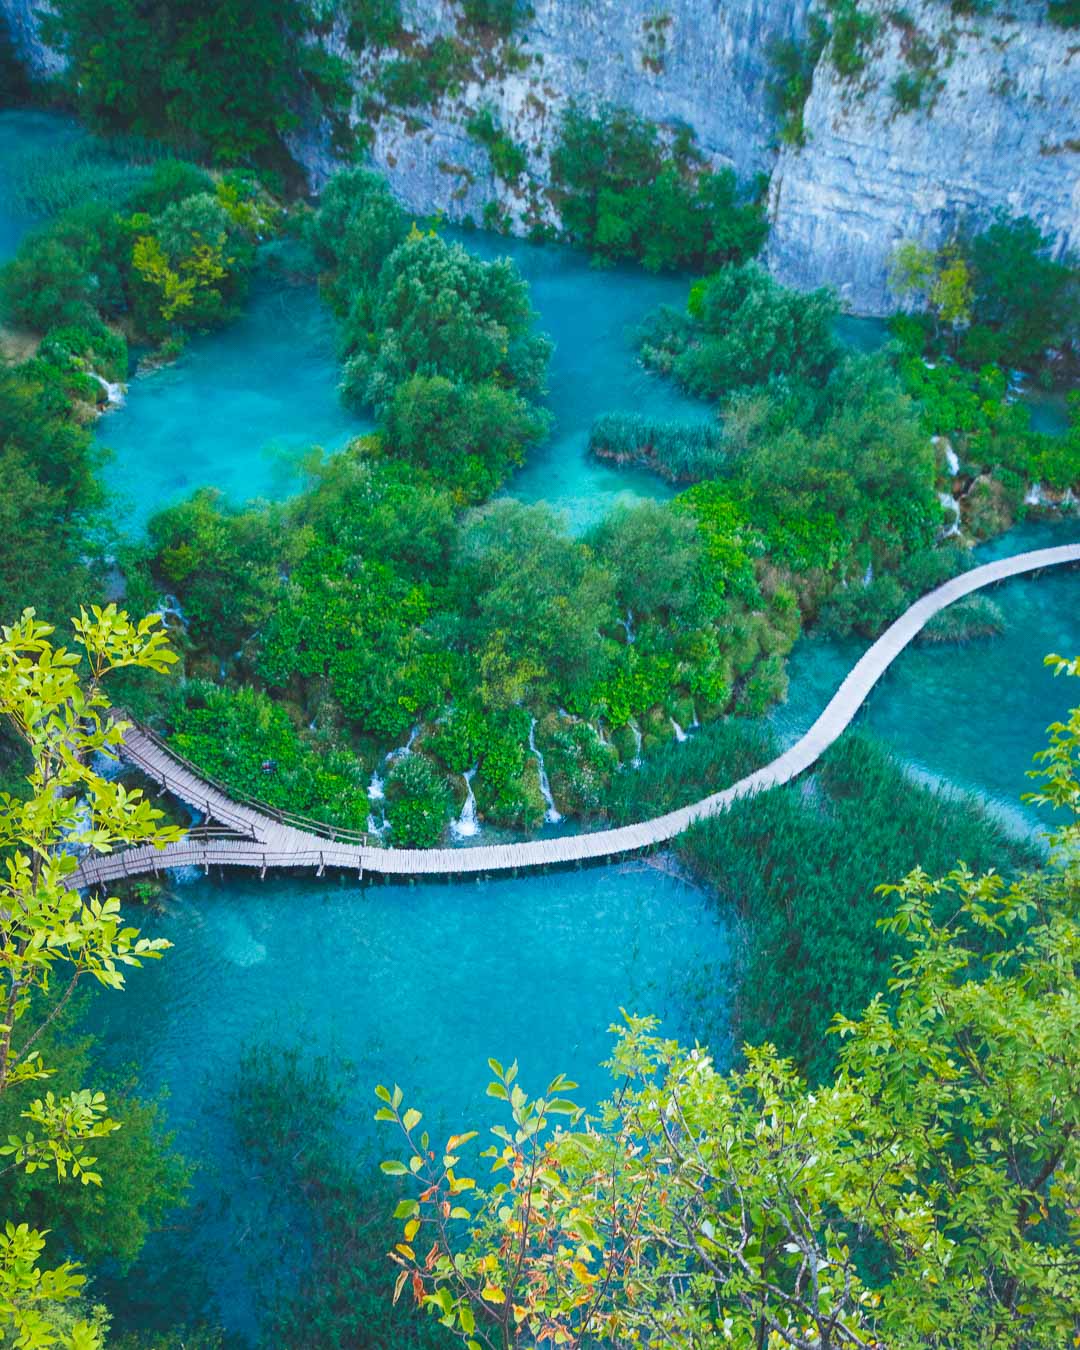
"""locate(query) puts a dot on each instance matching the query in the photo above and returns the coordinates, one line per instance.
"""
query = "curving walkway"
(262, 838)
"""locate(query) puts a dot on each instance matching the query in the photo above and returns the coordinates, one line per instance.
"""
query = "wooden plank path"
(265, 839)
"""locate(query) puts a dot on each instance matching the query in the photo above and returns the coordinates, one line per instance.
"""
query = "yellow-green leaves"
(48, 932)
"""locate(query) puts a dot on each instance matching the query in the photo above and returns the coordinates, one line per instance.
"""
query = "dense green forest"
(901, 1109)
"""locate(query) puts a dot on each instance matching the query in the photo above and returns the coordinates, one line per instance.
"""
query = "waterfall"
(552, 815)
(466, 824)
(601, 735)
(114, 393)
(695, 723)
(680, 735)
(1034, 496)
(170, 607)
(375, 788)
(627, 625)
(1016, 386)
(868, 575)
(952, 459)
(635, 763)
(949, 502)
(405, 749)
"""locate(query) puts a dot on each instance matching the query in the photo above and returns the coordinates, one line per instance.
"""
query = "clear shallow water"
(592, 314)
(969, 714)
(236, 412)
(414, 984)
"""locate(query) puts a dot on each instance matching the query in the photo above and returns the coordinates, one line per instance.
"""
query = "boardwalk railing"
(305, 823)
(273, 839)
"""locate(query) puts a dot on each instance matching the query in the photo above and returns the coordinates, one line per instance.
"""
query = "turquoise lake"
(421, 983)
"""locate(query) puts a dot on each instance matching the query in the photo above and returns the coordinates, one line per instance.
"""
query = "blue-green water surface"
(415, 984)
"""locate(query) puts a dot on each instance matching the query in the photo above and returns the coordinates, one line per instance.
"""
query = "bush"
(418, 802)
(508, 158)
(246, 741)
(501, 15)
(627, 195)
(421, 79)
(440, 311)
(373, 23)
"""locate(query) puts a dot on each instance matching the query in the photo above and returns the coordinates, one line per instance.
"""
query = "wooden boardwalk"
(261, 838)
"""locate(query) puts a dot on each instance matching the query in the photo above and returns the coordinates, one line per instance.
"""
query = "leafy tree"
(356, 228)
(219, 77)
(469, 435)
(626, 194)
(52, 938)
(48, 489)
(655, 557)
(533, 606)
(925, 1195)
(1022, 293)
(941, 278)
(440, 311)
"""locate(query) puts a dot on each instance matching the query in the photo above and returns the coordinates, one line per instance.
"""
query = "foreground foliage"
(51, 939)
(925, 1195)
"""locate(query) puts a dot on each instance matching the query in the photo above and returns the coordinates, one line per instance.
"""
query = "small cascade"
(552, 815)
(1035, 496)
(466, 825)
(170, 608)
(635, 763)
(627, 625)
(114, 393)
(952, 459)
(1016, 386)
(601, 734)
(695, 723)
(405, 749)
(949, 503)
(868, 575)
(222, 671)
(680, 735)
(376, 821)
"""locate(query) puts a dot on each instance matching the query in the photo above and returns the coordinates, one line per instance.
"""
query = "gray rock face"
(21, 17)
(698, 63)
(1002, 131)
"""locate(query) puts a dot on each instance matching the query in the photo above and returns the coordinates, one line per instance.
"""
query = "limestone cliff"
(998, 125)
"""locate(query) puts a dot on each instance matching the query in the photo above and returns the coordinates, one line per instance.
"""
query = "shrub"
(678, 452)
(501, 15)
(373, 23)
(418, 802)
(508, 158)
(625, 194)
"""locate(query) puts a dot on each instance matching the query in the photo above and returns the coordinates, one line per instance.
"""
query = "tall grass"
(800, 864)
(679, 452)
(46, 182)
(715, 756)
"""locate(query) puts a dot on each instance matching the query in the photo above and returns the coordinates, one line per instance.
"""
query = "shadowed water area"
(421, 983)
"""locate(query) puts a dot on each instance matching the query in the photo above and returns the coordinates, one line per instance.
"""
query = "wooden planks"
(264, 841)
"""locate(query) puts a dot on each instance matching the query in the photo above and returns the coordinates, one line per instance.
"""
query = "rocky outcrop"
(697, 63)
(23, 20)
(1000, 128)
